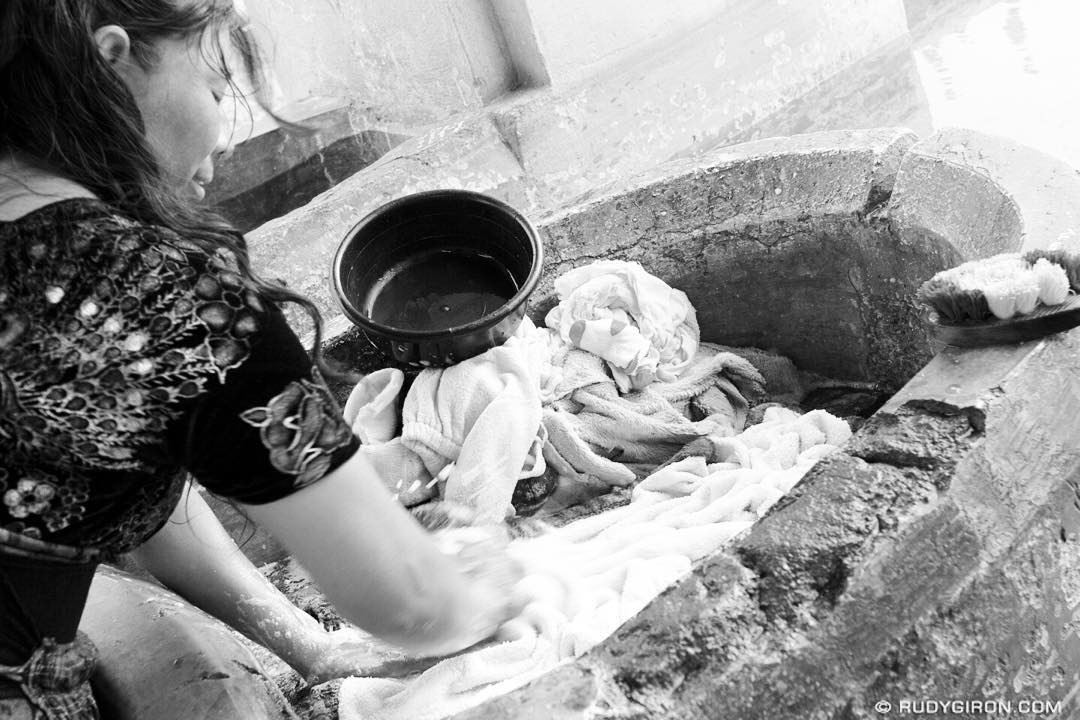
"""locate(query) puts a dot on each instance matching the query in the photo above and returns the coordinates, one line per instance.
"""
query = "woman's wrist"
(282, 628)
(304, 650)
(472, 614)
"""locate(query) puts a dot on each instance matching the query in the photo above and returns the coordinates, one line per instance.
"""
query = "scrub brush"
(1002, 287)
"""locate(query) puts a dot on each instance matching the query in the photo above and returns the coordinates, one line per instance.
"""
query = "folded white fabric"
(482, 415)
(371, 408)
(715, 382)
(469, 432)
(587, 578)
(372, 412)
(597, 430)
(645, 329)
(782, 378)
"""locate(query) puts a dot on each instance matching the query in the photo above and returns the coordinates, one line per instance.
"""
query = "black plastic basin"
(439, 276)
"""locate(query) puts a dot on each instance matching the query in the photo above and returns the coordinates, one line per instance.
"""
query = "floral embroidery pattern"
(39, 496)
(106, 328)
(302, 428)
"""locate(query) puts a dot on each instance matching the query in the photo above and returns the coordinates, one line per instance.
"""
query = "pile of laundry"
(616, 390)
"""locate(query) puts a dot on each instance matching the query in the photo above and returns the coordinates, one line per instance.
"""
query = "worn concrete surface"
(584, 95)
(557, 42)
(985, 194)
(882, 89)
(161, 657)
(420, 61)
(407, 61)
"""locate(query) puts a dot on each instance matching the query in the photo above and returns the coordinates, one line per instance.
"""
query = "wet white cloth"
(468, 432)
(782, 379)
(371, 408)
(483, 416)
(642, 327)
(587, 578)
(469, 424)
(372, 412)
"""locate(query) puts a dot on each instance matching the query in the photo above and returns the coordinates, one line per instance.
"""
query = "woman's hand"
(492, 575)
(381, 570)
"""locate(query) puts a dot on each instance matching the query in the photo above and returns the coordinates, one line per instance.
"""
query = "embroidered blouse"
(127, 355)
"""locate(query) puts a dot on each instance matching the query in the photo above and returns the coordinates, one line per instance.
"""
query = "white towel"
(469, 432)
(645, 329)
(597, 430)
(587, 578)
(483, 416)
(371, 408)
(372, 412)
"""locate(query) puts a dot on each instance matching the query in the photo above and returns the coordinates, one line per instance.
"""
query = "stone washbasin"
(937, 555)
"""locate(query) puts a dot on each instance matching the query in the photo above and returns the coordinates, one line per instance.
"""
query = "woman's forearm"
(380, 569)
(194, 556)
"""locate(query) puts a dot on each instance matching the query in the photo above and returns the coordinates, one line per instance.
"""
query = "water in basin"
(439, 289)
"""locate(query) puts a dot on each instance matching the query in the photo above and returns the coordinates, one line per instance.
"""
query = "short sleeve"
(269, 428)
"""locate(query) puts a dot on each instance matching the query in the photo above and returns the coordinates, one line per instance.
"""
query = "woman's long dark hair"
(63, 104)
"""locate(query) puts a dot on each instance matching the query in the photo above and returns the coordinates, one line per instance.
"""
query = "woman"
(136, 343)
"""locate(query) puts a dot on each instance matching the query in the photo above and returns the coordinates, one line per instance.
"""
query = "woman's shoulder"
(25, 189)
(37, 206)
(83, 276)
(54, 239)
(48, 215)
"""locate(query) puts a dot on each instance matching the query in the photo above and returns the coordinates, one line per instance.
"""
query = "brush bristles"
(1069, 261)
(1002, 286)
(954, 305)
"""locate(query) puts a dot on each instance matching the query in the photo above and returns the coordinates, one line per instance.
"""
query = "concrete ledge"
(985, 194)
(276, 171)
(268, 151)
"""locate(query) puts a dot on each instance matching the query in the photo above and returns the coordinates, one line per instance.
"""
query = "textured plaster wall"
(411, 61)
(561, 41)
(707, 88)
(577, 38)
(423, 61)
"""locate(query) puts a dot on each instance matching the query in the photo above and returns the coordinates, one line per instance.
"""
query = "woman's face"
(179, 96)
